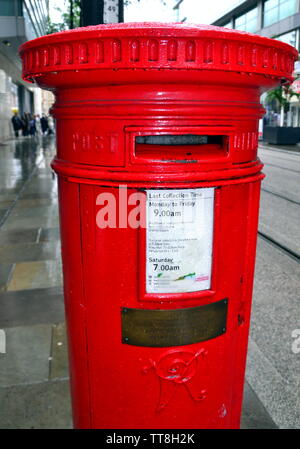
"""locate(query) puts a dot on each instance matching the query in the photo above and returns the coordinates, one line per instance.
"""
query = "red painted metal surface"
(113, 84)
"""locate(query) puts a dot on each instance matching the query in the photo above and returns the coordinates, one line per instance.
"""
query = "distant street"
(280, 198)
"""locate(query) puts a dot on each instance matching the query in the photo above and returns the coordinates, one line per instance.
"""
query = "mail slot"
(159, 184)
(191, 148)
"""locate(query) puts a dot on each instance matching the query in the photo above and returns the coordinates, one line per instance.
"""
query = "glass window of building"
(248, 21)
(7, 8)
(288, 38)
(10, 7)
(227, 25)
(276, 10)
(35, 17)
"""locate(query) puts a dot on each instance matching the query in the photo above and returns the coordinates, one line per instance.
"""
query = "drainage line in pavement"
(282, 168)
(285, 159)
(284, 249)
(280, 196)
(278, 150)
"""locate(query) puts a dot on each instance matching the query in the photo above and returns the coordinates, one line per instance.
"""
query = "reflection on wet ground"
(34, 387)
(26, 175)
(28, 214)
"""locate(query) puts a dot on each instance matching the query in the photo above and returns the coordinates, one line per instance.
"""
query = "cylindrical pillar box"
(159, 183)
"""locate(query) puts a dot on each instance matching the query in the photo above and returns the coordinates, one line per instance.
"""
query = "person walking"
(44, 124)
(16, 123)
(50, 125)
(38, 124)
(25, 124)
(32, 127)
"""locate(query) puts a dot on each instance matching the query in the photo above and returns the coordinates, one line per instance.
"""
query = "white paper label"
(179, 240)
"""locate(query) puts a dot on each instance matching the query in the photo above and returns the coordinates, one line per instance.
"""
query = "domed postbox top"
(172, 47)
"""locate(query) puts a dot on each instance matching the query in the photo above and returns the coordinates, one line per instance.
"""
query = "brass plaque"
(175, 327)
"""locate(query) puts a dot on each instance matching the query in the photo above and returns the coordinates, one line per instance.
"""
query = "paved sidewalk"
(34, 386)
(290, 148)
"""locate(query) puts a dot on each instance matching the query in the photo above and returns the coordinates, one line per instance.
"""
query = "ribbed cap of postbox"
(160, 46)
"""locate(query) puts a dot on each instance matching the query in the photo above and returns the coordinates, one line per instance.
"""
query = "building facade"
(20, 20)
(277, 19)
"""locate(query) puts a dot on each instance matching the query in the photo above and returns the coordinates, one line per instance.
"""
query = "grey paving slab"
(36, 202)
(44, 186)
(276, 309)
(280, 399)
(43, 173)
(44, 405)
(285, 166)
(285, 161)
(58, 367)
(28, 222)
(285, 183)
(33, 212)
(285, 149)
(7, 193)
(38, 196)
(5, 274)
(24, 170)
(26, 252)
(280, 220)
(3, 212)
(254, 414)
(30, 307)
(19, 236)
(7, 197)
(51, 234)
(27, 355)
(5, 204)
(273, 370)
(287, 187)
(10, 179)
(39, 274)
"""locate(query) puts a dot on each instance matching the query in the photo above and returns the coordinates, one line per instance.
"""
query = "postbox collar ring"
(156, 46)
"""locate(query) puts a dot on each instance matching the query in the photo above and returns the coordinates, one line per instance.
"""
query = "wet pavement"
(34, 382)
(34, 379)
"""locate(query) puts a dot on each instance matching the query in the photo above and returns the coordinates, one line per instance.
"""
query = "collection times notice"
(179, 240)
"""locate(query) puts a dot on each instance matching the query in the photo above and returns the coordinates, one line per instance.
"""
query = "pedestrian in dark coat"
(44, 124)
(16, 123)
(32, 127)
(25, 124)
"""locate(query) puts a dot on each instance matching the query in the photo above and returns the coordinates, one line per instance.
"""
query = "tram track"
(281, 168)
(273, 242)
(292, 159)
(292, 254)
(283, 197)
(274, 150)
(274, 156)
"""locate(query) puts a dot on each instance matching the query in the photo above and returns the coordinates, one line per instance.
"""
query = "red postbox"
(159, 184)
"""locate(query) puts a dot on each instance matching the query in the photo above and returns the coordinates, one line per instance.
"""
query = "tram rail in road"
(272, 158)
